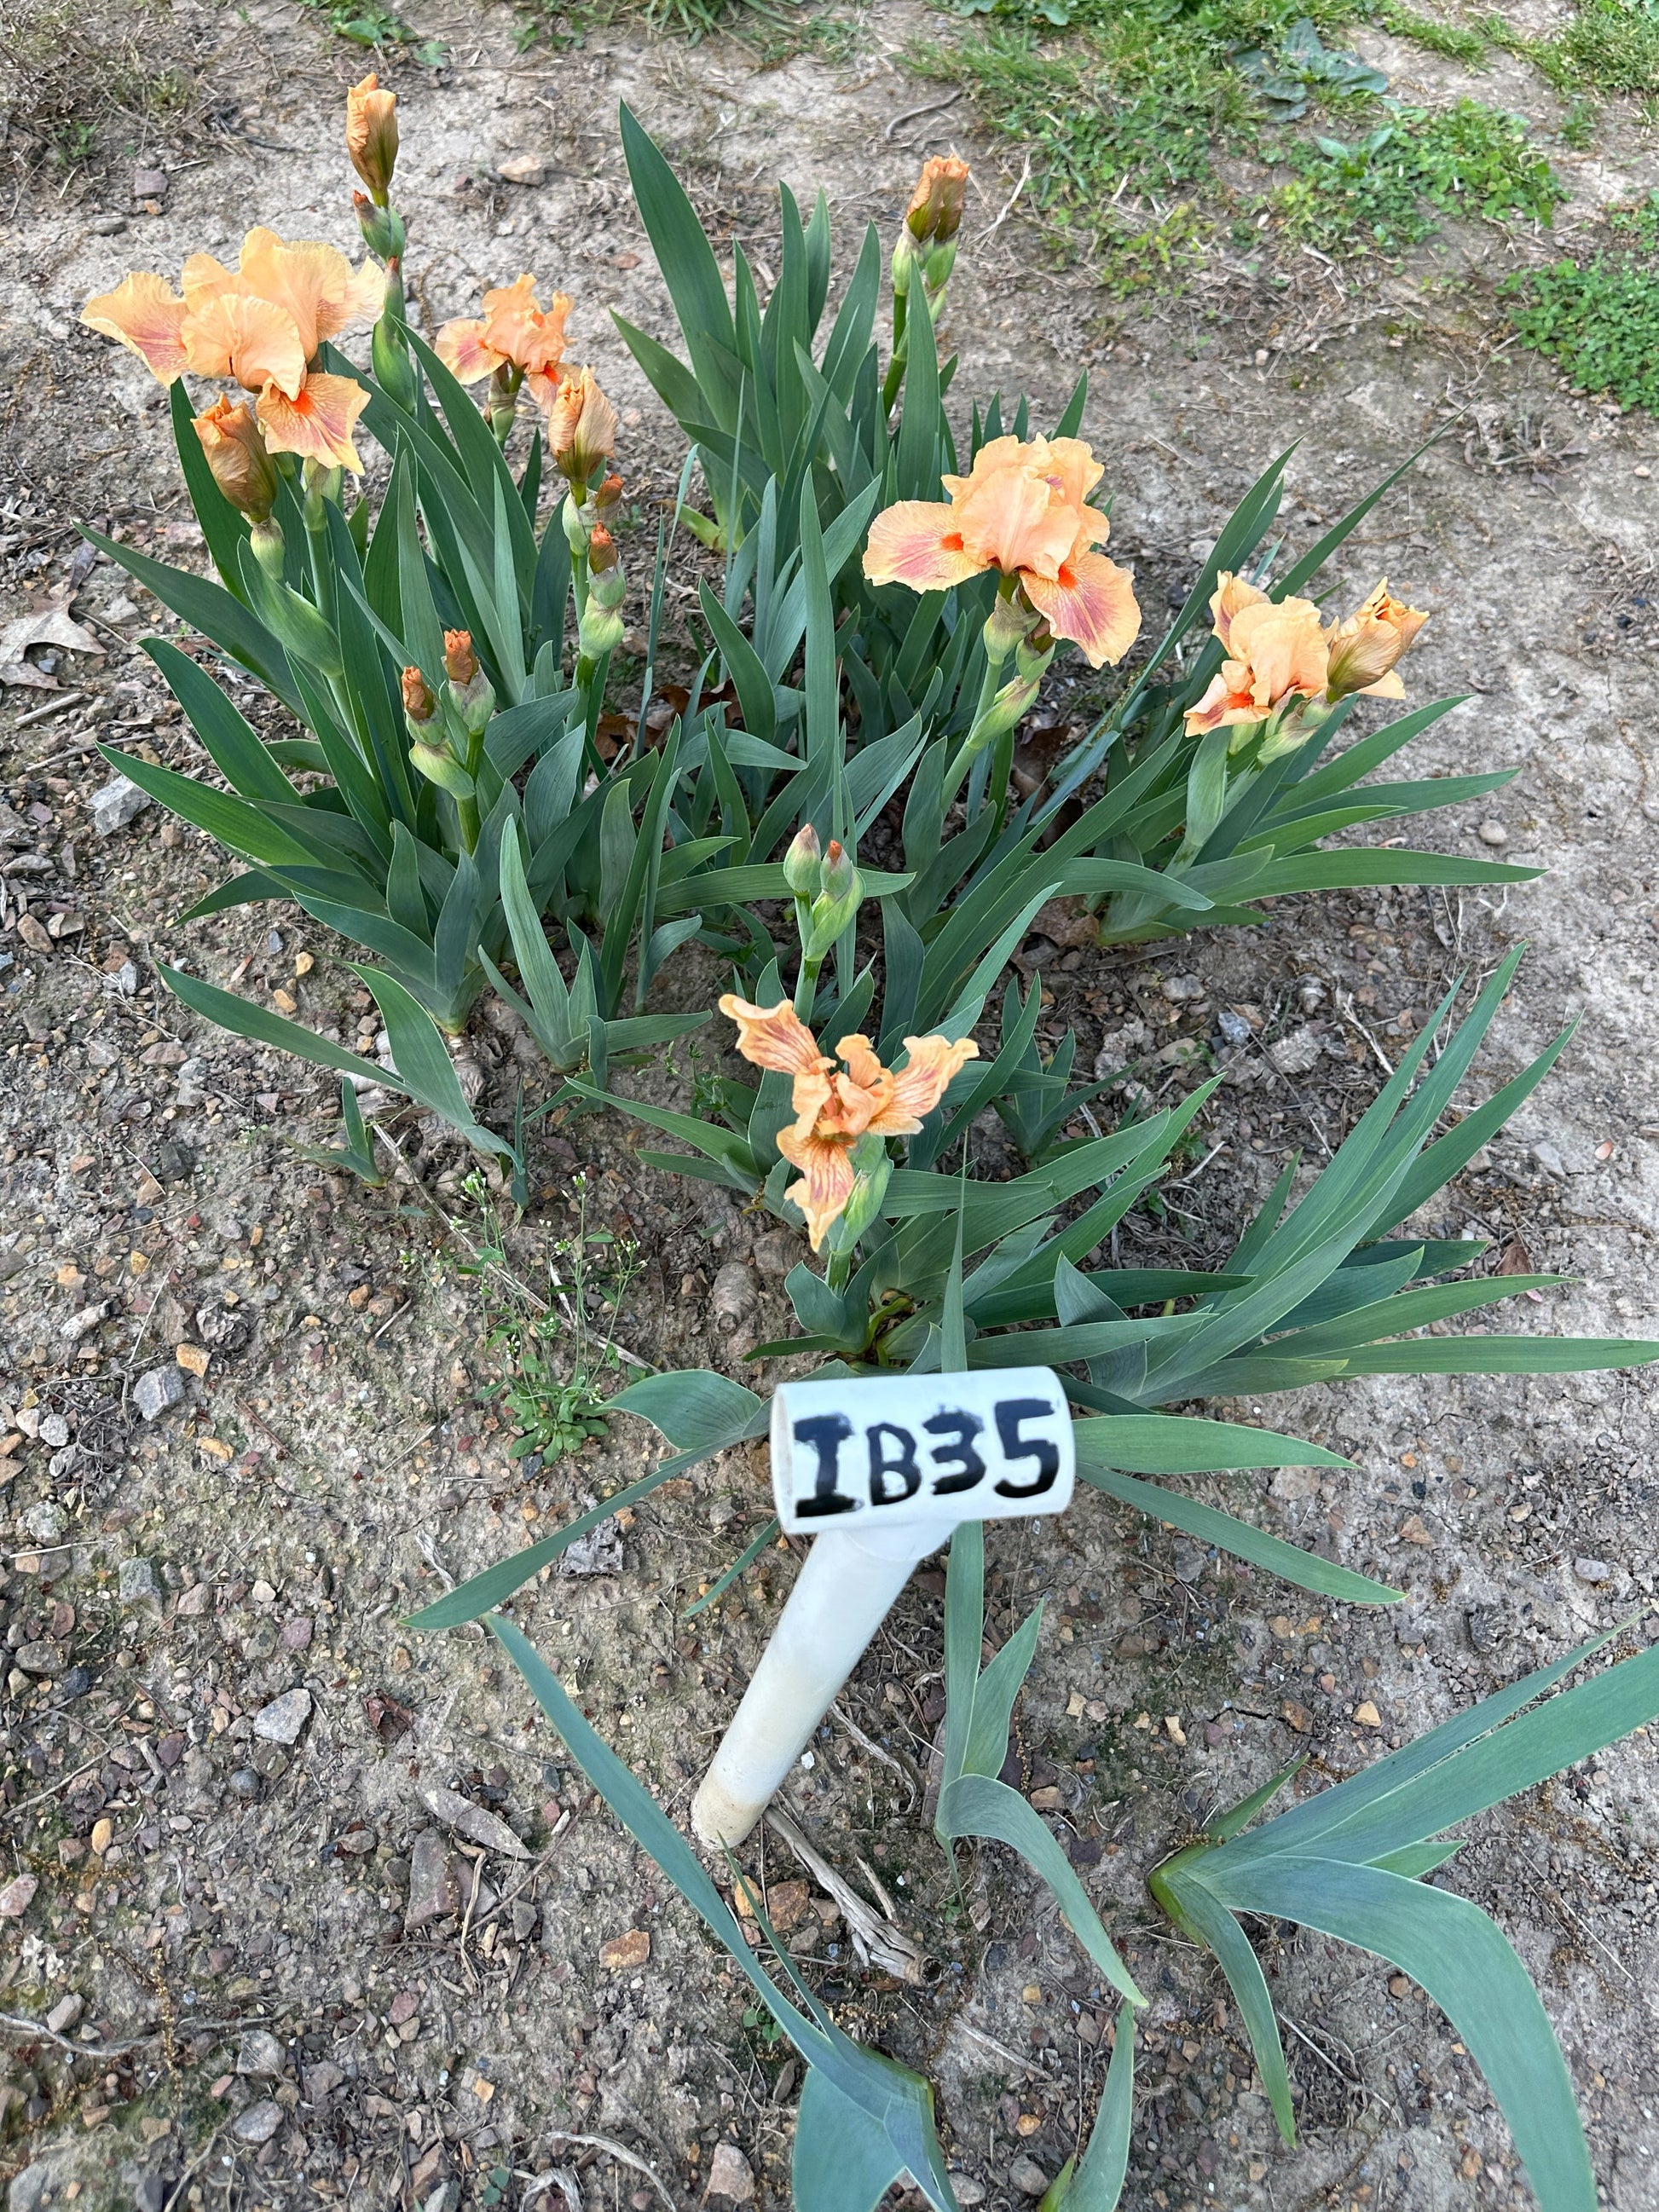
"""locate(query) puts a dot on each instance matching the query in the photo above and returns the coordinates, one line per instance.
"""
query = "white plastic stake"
(880, 1472)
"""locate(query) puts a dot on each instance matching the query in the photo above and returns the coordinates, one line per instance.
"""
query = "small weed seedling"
(559, 1350)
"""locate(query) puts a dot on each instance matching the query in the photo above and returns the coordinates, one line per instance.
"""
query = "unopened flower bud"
(835, 906)
(607, 586)
(872, 1168)
(1007, 625)
(382, 227)
(802, 863)
(582, 427)
(600, 630)
(608, 493)
(440, 766)
(934, 214)
(236, 451)
(389, 354)
(419, 705)
(372, 135)
(460, 662)
(838, 875)
(266, 541)
(1032, 654)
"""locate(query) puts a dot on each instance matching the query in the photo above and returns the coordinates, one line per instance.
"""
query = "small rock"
(258, 2052)
(16, 1897)
(432, 1892)
(150, 2193)
(45, 1522)
(1493, 833)
(41, 1657)
(282, 1719)
(64, 2013)
(84, 1322)
(149, 183)
(1367, 1714)
(244, 1784)
(598, 1552)
(135, 1582)
(1234, 1029)
(471, 1822)
(1028, 2177)
(1190, 1560)
(1547, 1156)
(405, 2005)
(123, 983)
(118, 802)
(524, 1917)
(734, 1293)
(221, 1327)
(521, 169)
(260, 2122)
(968, 2192)
(1593, 1571)
(322, 2080)
(35, 2187)
(1179, 989)
(730, 2175)
(75, 1684)
(120, 609)
(1291, 1483)
(1299, 1052)
(623, 1952)
(157, 1390)
(54, 1430)
(357, 1843)
(173, 1161)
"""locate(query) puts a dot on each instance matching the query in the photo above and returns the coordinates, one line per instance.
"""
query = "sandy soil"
(293, 1983)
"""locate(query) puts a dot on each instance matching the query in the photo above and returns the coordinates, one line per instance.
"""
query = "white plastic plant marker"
(879, 1473)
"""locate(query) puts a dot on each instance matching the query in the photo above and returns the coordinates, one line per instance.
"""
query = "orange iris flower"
(515, 331)
(1023, 509)
(833, 1110)
(1278, 649)
(1365, 649)
(260, 325)
(1275, 650)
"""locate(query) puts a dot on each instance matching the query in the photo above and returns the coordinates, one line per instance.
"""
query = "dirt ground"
(277, 1975)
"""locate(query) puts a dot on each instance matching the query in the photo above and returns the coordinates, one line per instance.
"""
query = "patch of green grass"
(1386, 192)
(556, 1342)
(1455, 40)
(1125, 115)
(1609, 46)
(366, 23)
(1121, 119)
(779, 29)
(1598, 319)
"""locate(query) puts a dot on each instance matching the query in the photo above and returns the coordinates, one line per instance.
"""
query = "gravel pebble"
(282, 1719)
(116, 805)
(730, 2175)
(1028, 2177)
(258, 2052)
(158, 1389)
(1593, 1571)
(260, 2122)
